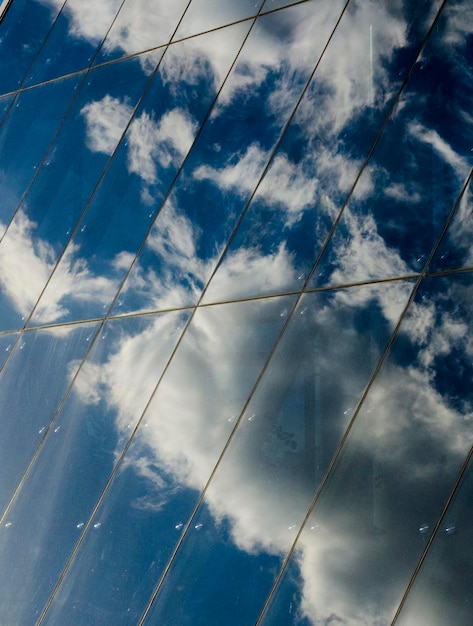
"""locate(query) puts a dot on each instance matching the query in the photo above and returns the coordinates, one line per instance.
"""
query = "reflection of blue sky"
(24, 28)
(194, 410)
(40, 228)
(181, 166)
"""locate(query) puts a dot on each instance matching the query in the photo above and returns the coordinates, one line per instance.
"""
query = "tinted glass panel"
(358, 550)
(443, 590)
(203, 15)
(22, 31)
(281, 449)
(415, 175)
(324, 147)
(179, 441)
(191, 232)
(455, 251)
(41, 366)
(48, 214)
(35, 117)
(47, 517)
(158, 139)
(141, 25)
(73, 41)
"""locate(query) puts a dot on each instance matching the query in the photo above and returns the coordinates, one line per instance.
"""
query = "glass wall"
(236, 302)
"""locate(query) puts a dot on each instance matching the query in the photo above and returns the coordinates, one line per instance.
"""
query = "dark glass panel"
(322, 151)
(40, 229)
(95, 422)
(142, 25)
(169, 461)
(455, 251)
(32, 384)
(22, 31)
(259, 495)
(158, 140)
(204, 15)
(35, 117)
(193, 228)
(74, 39)
(442, 592)
(371, 522)
(417, 170)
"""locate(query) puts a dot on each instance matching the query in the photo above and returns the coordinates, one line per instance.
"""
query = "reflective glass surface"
(73, 41)
(235, 312)
(152, 151)
(442, 590)
(267, 477)
(74, 464)
(24, 28)
(141, 25)
(38, 372)
(405, 194)
(182, 434)
(454, 251)
(203, 15)
(378, 506)
(35, 116)
(323, 149)
(232, 152)
(70, 170)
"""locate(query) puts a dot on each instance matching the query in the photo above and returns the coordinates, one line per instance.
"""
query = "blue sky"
(140, 178)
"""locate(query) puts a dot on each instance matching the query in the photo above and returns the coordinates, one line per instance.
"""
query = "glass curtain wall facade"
(236, 312)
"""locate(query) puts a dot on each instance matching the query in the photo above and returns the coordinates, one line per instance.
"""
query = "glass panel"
(204, 15)
(157, 142)
(74, 39)
(417, 170)
(74, 465)
(40, 368)
(142, 25)
(265, 482)
(443, 590)
(276, 4)
(455, 250)
(22, 31)
(42, 226)
(320, 155)
(230, 155)
(5, 103)
(383, 496)
(35, 118)
(195, 408)
(7, 341)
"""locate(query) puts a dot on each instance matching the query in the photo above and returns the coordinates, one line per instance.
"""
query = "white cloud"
(401, 193)
(432, 138)
(364, 255)
(248, 272)
(240, 175)
(106, 120)
(25, 264)
(164, 142)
